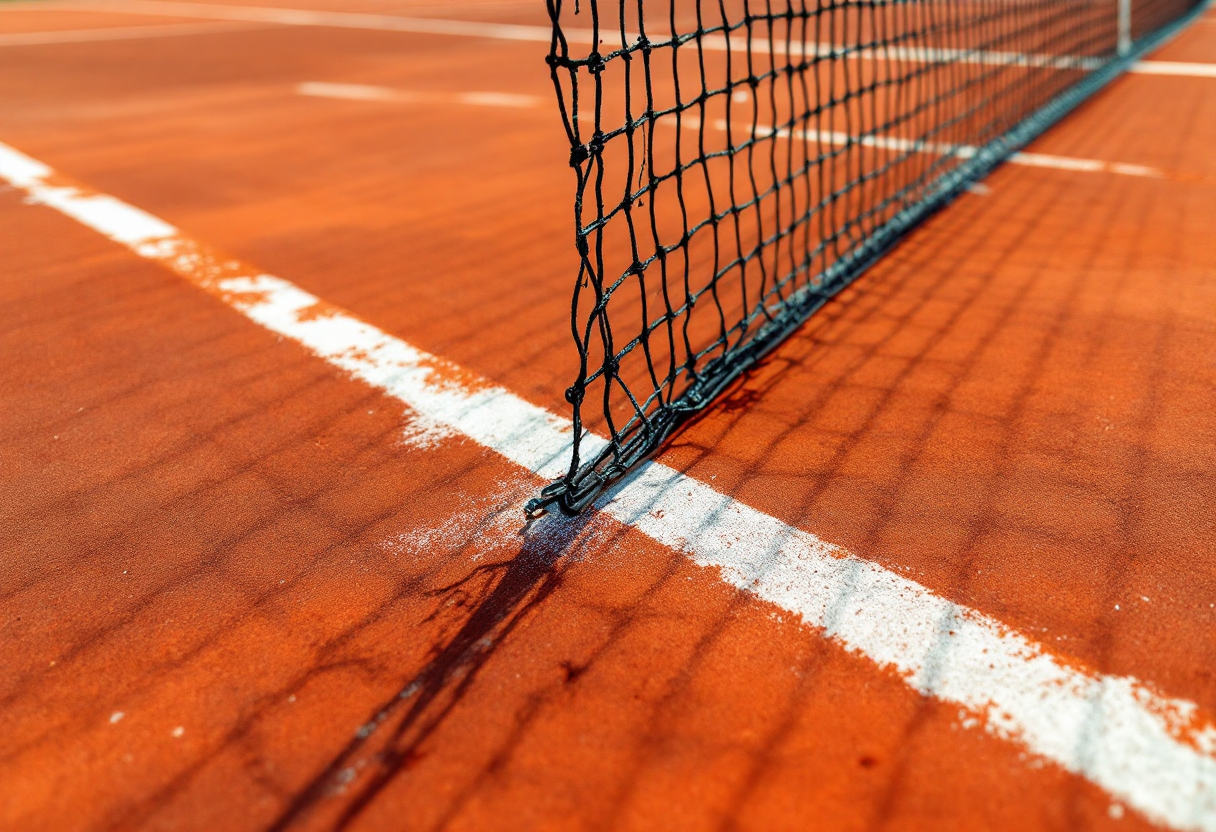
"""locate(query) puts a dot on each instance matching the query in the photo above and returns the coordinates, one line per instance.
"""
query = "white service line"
(1179, 68)
(543, 34)
(310, 17)
(367, 92)
(119, 33)
(960, 151)
(1153, 753)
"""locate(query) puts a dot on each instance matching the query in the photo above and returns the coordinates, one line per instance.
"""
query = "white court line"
(1178, 68)
(542, 34)
(308, 17)
(367, 92)
(1156, 754)
(960, 151)
(118, 33)
(910, 54)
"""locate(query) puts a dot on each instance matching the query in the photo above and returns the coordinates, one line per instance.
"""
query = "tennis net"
(739, 162)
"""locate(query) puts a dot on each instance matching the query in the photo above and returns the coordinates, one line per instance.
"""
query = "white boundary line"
(367, 92)
(119, 33)
(1177, 68)
(960, 151)
(306, 17)
(542, 34)
(1156, 754)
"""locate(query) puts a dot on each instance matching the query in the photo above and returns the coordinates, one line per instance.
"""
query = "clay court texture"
(285, 294)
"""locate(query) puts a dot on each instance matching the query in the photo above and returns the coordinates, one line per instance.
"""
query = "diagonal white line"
(1154, 753)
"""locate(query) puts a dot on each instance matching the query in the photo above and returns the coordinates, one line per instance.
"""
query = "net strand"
(739, 162)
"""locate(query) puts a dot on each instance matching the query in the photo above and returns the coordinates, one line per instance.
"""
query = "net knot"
(580, 153)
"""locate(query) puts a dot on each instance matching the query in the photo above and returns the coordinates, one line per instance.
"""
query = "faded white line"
(958, 151)
(980, 57)
(119, 33)
(906, 54)
(368, 92)
(543, 34)
(307, 17)
(1151, 752)
(1178, 68)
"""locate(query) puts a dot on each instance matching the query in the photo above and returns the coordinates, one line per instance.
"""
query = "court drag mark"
(1156, 754)
(543, 34)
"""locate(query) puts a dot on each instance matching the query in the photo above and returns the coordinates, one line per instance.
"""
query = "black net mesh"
(738, 162)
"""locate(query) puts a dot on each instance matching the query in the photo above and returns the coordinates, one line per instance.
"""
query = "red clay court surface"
(246, 590)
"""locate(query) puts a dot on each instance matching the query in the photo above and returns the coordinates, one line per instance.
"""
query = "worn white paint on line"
(522, 432)
(368, 92)
(1153, 753)
(118, 33)
(960, 151)
(1111, 730)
